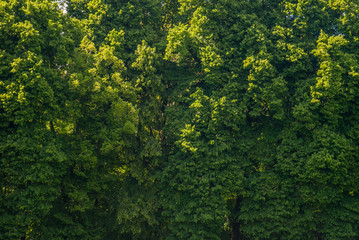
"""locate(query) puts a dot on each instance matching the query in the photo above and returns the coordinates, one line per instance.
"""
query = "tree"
(181, 119)
(127, 29)
(265, 131)
(34, 47)
(69, 126)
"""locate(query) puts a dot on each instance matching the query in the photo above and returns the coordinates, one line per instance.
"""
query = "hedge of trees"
(179, 119)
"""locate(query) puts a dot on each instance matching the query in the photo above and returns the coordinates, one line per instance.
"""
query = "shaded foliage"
(188, 119)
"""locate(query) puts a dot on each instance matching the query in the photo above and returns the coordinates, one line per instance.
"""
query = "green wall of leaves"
(179, 119)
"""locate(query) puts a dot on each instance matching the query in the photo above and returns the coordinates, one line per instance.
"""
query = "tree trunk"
(235, 230)
(236, 234)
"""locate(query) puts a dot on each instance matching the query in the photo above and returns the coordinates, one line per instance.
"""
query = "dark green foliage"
(32, 158)
(73, 129)
(271, 116)
(188, 119)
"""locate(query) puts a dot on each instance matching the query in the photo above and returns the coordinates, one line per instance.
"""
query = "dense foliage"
(179, 119)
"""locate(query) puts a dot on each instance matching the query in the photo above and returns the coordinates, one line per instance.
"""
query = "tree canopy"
(179, 119)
